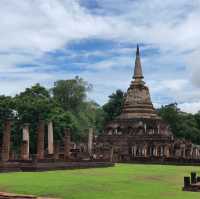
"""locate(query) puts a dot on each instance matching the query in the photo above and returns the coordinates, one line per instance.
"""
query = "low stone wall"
(164, 161)
(47, 166)
(62, 165)
(9, 166)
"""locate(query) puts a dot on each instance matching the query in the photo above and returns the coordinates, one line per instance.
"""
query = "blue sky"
(43, 41)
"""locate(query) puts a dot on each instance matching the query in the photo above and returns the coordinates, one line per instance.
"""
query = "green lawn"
(120, 182)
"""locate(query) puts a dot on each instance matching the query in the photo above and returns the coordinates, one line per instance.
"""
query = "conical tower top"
(138, 67)
(138, 50)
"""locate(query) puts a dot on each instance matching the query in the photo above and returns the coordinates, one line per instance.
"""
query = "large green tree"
(33, 104)
(71, 96)
(71, 93)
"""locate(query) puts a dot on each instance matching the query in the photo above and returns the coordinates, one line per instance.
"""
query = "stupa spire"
(138, 75)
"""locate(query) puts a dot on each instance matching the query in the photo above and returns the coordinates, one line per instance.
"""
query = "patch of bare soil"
(5, 195)
(149, 178)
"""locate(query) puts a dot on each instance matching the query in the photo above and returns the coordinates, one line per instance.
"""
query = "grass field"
(119, 182)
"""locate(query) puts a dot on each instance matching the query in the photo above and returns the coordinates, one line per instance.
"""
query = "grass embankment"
(124, 181)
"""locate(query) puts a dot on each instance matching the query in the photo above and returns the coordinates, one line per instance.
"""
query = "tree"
(183, 125)
(63, 119)
(99, 120)
(114, 106)
(89, 116)
(70, 94)
(197, 118)
(6, 111)
(170, 113)
(33, 104)
(6, 107)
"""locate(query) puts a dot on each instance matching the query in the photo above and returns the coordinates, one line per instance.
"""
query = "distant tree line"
(67, 105)
(183, 125)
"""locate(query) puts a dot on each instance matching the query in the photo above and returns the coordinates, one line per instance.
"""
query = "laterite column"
(40, 140)
(25, 143)
(24, 153)
(67, 142)
(90, 141)
(111, 154)
(56, 150)
(50, 138)
(6, 140)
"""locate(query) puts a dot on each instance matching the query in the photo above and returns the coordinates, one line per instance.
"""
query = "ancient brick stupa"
(138, 132)
(138, 101)
(138, 114)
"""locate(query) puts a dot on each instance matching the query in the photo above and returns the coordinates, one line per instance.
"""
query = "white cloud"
(47, 25)
(194, 67)
(30, 29)
(190, 107)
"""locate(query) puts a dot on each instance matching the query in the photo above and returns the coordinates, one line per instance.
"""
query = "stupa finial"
(138, 75)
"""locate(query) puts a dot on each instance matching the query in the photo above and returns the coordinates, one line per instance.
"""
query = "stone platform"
(48, 166)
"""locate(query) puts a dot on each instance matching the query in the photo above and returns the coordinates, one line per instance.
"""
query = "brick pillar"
(40, 139)
(25, 143)
(111, 154)
(6, 140)
(90, 141)
(67, 141)
(56, 150)
(145, 151)
(155, 151)
(158, 129)
(166, 151)
(50, 138)
(12, 154)
(24, 147)
(145, 128)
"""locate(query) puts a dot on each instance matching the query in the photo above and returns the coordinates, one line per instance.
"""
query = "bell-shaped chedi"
(138, 116)
(137, 102)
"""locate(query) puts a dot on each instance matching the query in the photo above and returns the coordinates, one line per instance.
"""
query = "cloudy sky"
(46, 40)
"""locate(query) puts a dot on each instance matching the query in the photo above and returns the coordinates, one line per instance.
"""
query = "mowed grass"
(124, 181)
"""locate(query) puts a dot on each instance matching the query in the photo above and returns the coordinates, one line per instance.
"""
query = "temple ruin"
(55, 154)
(138, 133)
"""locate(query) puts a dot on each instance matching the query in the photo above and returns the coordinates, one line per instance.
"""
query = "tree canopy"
(114, 105)
(71, 93)
(65, 104)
